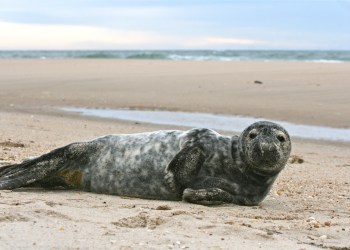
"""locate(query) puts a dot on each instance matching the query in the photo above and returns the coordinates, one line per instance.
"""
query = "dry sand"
(308, 207)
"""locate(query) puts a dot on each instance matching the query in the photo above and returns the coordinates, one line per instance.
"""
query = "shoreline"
(56, 114)
(262, 61)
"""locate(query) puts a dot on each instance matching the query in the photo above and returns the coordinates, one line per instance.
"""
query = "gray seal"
(199, 166)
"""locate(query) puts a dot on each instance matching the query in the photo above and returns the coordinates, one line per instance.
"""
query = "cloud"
(220, 41)
(29, 36)
(229, 41)
(37, 36)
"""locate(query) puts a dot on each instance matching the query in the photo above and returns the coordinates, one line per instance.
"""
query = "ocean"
(330, 56)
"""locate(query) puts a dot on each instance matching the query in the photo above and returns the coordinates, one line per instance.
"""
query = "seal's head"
(264, 148)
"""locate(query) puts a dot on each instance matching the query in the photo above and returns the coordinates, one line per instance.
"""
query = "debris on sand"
(295, 159)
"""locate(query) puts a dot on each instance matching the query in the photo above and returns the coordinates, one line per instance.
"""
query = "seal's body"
(199, 165)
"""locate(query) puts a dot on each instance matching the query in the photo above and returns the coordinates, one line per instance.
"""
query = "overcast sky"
(175, 24)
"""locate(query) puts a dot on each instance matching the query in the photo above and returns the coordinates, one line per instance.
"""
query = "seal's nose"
(266, 151)
(265, 147)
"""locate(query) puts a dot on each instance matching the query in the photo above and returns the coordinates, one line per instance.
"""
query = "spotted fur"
(198, 166)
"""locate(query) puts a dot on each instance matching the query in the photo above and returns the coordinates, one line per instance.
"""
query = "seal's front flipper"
(54, 163)
(208, 196)
(213, 190)
(184, 167)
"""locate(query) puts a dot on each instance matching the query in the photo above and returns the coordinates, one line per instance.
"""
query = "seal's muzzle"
(265, 147)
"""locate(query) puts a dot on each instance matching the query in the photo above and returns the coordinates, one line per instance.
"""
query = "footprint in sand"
(139, 221)
(7, 217)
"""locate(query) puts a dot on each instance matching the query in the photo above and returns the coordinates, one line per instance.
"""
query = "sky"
(174, 24)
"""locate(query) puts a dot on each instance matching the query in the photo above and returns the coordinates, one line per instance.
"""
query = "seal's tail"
(57, 164)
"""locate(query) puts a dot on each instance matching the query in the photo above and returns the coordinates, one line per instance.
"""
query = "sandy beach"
(308, 207)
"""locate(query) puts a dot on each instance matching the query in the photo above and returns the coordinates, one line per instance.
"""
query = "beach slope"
(308, 207)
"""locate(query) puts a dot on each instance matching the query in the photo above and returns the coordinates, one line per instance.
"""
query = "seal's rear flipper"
(29, 171)
(62, 163)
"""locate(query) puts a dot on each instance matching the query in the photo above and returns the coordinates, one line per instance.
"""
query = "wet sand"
(307, 208)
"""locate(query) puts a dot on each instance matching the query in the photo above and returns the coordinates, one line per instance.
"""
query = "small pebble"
(311, 219)
(323, 237)
(163, 207)
(327, 223)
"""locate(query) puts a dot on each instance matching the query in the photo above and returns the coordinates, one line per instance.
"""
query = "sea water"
(213, 121)
(324, 56)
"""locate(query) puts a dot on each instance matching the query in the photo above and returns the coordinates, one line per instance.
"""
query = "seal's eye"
(281, 138)
(253, 134)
